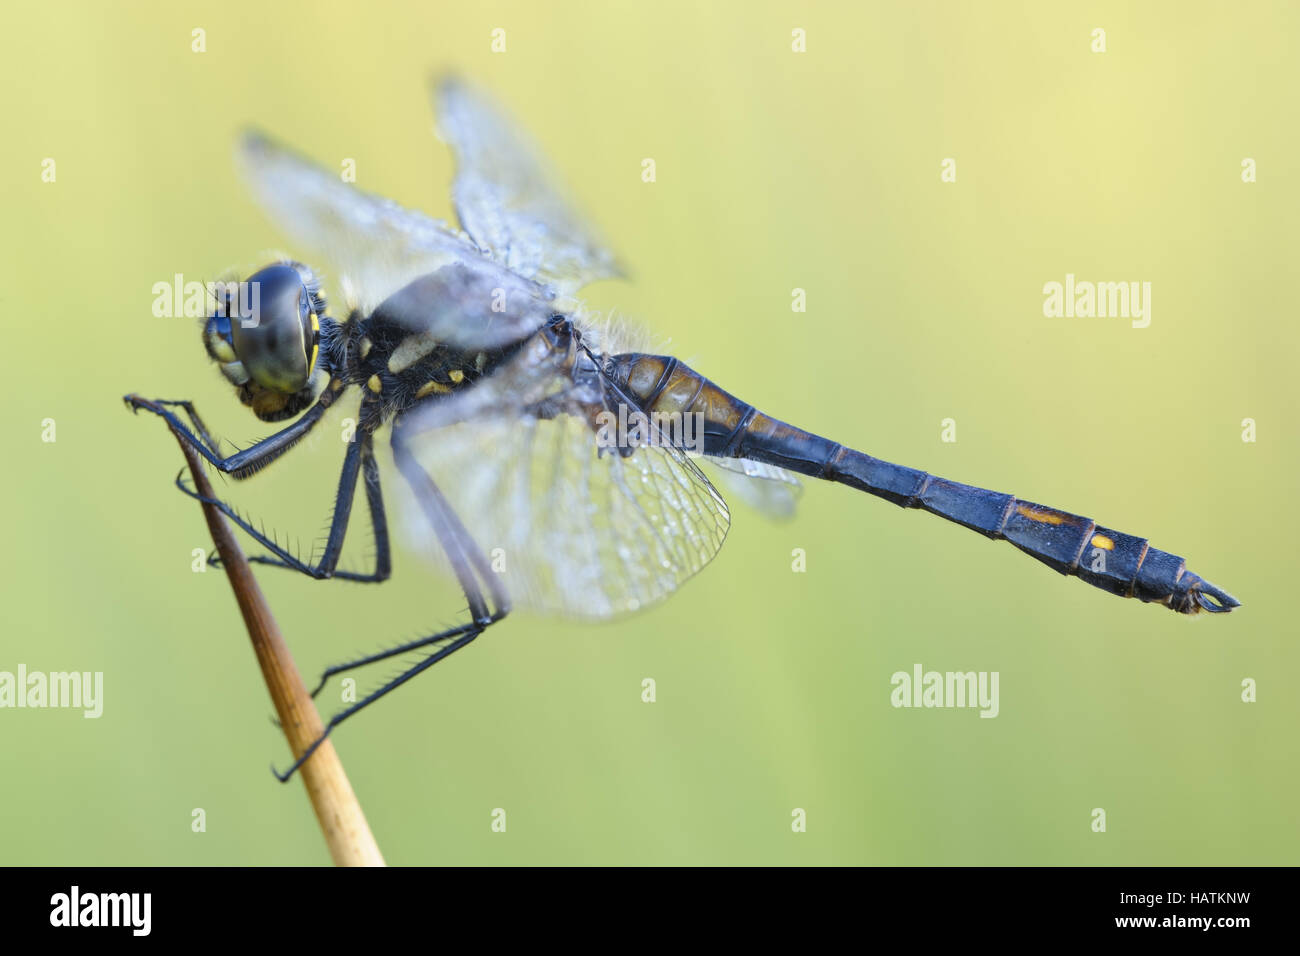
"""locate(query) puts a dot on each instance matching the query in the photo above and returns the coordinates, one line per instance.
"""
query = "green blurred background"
(776, 170)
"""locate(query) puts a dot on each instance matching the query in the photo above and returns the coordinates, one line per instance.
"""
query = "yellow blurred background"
(776, 170)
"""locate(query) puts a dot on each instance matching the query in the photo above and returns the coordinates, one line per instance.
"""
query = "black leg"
(204, 435)
(451, 532)
(378, 521)
(466, 560)
(384, 655)
(254, 458)
(250, 461)
(369, 699)
(360, 457)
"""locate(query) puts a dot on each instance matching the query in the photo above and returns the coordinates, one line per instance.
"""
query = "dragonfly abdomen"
(1120, 563)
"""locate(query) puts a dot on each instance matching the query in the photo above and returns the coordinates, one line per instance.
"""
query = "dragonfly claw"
(135, 402)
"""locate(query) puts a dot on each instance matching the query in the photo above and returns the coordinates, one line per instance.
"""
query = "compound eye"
(272, 330)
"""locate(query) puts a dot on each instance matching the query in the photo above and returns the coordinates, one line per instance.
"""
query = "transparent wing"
(571, 531)
(506, 198)
(766, 488)
(374, 244)
(471, 304)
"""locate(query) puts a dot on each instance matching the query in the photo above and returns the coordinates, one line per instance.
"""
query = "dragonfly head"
(564, 338)
(559, 332)
(265, 337)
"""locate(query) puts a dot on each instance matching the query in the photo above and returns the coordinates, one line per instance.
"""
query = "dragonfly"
(548, 460)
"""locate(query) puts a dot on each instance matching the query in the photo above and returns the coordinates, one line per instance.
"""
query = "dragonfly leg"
(248, 462)
(253, 459)
(451, 632)
(369, 699)
(193, 414)
(360, 456)
(467, 560)
(471, 568)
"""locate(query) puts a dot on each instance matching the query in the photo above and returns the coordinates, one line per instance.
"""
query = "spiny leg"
(466, 559)
(371, 698)
(394, 652)
(204, 435)
(257, 456)
(450, 531)
(360, 456)
(378, 520)
(460, 538)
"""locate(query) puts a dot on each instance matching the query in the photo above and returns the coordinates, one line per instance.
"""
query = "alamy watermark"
(198, 300)
(128, 910)
(632, 428)
(1083, 299)
(82, 690)
(922, 688)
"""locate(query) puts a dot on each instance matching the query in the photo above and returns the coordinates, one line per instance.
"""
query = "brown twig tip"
(337, 810)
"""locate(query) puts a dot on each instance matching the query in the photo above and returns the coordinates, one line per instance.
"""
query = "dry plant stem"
(341, 821)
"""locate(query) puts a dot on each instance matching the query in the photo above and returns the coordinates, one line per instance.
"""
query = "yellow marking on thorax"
(365, 346)
(411, 350)
(375, 385)
(315, 340)
(1103, 542)
(456, 376)
(428, 388)
(1040, 515)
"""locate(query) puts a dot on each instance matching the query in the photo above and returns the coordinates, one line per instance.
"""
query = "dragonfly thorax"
(402, 367)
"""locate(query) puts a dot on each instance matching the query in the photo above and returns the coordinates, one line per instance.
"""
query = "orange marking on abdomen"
(1041, 515)
(644, 375)
(678, 392)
